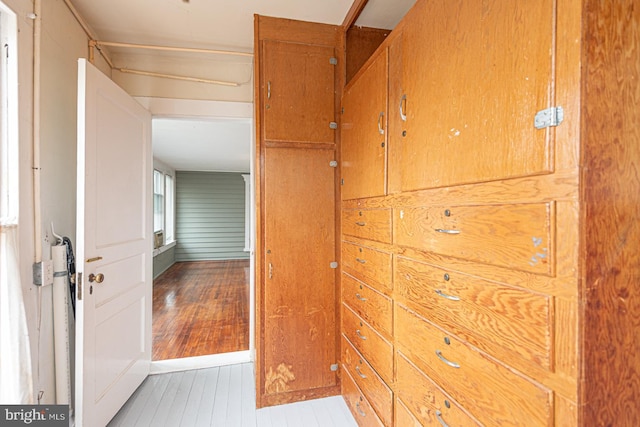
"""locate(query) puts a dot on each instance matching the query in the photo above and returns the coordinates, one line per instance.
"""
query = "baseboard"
(200, 362)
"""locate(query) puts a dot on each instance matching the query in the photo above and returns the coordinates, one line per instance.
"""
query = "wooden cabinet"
(482, 250)
(300, 92)
(474, 76)
(299, 285)
(364, 132)
(297, 289)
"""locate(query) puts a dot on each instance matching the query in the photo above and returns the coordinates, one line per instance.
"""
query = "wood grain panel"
(372, 386)
(363, 132)
(470, 111)
(372, 224)
(362, 42)
(371, 305)
(369, 265)
(377, 350)
(294, 31)
(514, 236)
(299, 106)
(426, 399)
(610, 212)
(506, 322)
(395, 122)
(299, 296)
(403, 417)
(358, 405)
(490, 391)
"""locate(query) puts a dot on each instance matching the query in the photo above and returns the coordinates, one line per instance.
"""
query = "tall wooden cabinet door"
(298, 81)
(475, 75)
(363, 137)
(299, 324)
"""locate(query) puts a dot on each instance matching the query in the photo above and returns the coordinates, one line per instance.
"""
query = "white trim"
(170, 107)
(200, 362)
(164, 248)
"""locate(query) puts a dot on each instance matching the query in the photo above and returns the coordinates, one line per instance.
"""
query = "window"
(163, 208)
(158, 201)
(169, 206)
(15, 366)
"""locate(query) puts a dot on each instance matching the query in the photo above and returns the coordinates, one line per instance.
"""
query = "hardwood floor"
(201, 308)
(221, 397)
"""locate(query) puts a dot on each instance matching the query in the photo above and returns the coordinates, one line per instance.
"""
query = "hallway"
(224, 397)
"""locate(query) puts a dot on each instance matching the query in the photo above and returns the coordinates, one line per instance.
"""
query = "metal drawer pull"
(360, 411)
(450, 297)
(363, 376)
(403, 116)
(361, 298)
(361, 261)
(361, 224)
(445, 360)
(440, 420)
(362, 337)
(441, 230)
(380, 121)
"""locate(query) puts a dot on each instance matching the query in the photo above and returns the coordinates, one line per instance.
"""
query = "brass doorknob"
(98, 278)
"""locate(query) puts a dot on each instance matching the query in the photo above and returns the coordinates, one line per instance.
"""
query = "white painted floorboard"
(223, 397)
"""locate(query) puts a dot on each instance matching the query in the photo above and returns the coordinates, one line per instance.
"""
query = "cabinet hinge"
(334, 265)
(334, 367)
(342, 110)
(79, 285)
(548, 117)
(333, 61)
(342, 181)
(333, 164)
(333, 125)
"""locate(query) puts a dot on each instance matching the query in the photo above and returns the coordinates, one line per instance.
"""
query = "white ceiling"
(213, 24)
(222, 145)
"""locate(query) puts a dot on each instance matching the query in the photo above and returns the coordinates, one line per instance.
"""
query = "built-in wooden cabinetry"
(487, 194)
(461, 218)
(298, 345)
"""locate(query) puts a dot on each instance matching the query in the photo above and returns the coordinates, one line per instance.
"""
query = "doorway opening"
(203, 294)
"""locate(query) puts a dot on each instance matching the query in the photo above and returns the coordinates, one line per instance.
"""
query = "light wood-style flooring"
(201, 308)
(224, 397)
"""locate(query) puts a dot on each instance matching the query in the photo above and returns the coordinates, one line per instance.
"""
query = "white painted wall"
(63, 42)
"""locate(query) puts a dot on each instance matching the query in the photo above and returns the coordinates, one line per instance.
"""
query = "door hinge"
(333, 125)
(333, 61)
(548, 117)
(333, 164)
(342, 110)
(334, 264)
(334, 367)
(342, 181)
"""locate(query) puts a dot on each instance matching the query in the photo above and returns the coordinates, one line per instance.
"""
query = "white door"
(114, 247)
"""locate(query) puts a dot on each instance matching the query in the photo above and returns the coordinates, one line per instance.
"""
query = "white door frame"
(188, 108)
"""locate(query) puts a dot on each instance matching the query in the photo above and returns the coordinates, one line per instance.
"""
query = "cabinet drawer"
(372, 386)
(357, 403)
(493, 393)
(372, 224)
(423, 397)
(404, 418)
(377, 350)
(514, 236)
(372, 306)
(493, 317)
(369, 265)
